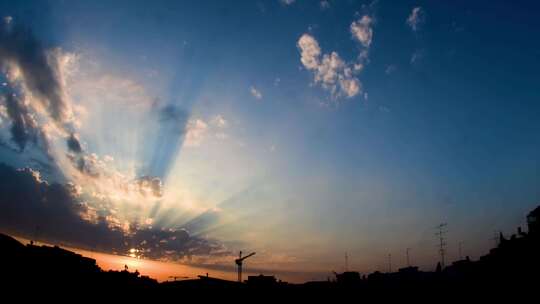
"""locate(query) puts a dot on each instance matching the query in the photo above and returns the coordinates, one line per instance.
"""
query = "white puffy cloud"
(255, 93)
(309, 51)
(330, 71)
(362, 30)
(416, 18)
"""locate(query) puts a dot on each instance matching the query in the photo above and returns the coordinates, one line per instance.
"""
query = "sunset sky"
(185, 131)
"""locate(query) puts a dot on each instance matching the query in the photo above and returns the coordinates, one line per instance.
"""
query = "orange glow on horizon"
(162, 271)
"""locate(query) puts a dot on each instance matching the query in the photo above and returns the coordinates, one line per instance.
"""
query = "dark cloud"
(33, 208)
(19, 46)
(39, 69)
(150, 184)
(174, 244)
(23, 127)
(73, 144)
(174, 119)
(56, 213)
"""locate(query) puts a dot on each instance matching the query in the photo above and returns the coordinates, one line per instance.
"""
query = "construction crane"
(239, 263)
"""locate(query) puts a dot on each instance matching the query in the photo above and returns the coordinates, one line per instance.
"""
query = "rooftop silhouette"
(511, 266)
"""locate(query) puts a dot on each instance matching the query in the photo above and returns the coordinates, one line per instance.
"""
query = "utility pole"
(346, 262)
(442, 243)
(408, 260)
(390, 263)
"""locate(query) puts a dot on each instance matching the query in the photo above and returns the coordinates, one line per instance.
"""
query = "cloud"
(219, 121)
(417, 56)
(34, 91)
(309, 51)
(390, 69)
(287, 2)
(73, 143)
(193, 131)
(330, 71)
(384, 109)
(196, 132)
(101, 206)
(324, 4)
(255, 93)
(24, 127)
(59, 213)
(38, 67)
(416, 18)
(150, 185)
(50, 210)
(362, 30)
(173, 118)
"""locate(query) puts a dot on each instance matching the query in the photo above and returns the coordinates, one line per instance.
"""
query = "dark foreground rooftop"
(513, 267)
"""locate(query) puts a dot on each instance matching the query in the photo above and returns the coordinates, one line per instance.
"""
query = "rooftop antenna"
(442, 243)
(389, 263)
(239, 263)
(346, 262)
(495, 238)
(408, 260)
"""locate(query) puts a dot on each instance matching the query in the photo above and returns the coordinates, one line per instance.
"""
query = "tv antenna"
(389, 263)
(441, 232)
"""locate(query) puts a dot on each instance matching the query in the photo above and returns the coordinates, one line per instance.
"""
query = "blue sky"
(423, 112)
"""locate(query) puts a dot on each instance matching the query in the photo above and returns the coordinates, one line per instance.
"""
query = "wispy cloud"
(417, 56)
(255, 93)
(196, 131)
(390, 69)
(219, 121)
(287, 2)
(324, 4)
(416, 18)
